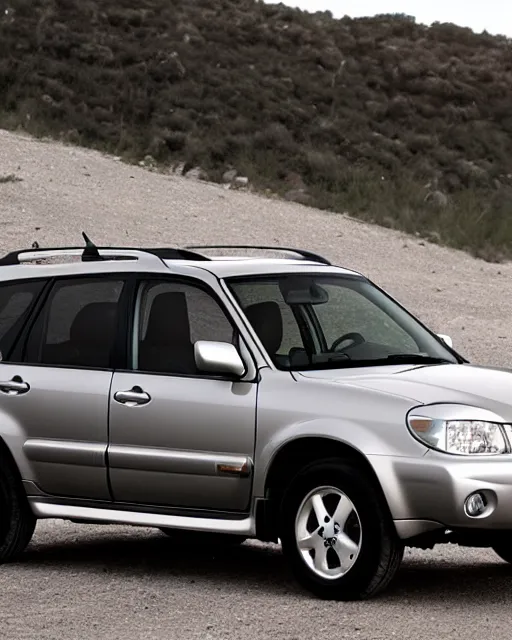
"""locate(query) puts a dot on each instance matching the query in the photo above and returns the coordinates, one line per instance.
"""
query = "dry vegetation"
(408, 126)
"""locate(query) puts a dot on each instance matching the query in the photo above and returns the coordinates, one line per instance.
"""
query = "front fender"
(371, 422)
(354, 435)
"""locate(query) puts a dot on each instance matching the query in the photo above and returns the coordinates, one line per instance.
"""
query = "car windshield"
(308, 322)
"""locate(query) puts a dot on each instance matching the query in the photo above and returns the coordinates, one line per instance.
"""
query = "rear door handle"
(14, 387)
(133, 397)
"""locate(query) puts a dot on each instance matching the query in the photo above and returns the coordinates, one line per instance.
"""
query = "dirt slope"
(64, 190)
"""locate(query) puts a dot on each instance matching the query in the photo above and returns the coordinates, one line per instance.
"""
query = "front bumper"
(430, 492)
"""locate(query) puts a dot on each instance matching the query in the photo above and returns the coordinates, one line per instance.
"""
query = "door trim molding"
(155, 459)
(85, 454)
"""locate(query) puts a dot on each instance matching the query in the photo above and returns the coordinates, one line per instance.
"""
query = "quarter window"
(16, 300)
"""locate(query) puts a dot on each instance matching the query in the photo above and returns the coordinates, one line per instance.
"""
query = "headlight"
(458, 435)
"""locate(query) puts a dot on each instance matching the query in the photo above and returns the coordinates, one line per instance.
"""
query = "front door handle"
(14, 387)
(133, 397)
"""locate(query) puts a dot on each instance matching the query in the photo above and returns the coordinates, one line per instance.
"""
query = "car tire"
(17, 522)
(359, 551)
(198, 537)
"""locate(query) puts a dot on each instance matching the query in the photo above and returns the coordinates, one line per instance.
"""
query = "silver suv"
(220, 398)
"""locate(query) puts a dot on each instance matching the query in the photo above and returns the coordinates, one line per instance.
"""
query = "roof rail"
(304, 255)
(91, 253)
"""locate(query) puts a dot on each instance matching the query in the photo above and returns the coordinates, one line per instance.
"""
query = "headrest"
(267, 322)
(168, 322)
(95, 324)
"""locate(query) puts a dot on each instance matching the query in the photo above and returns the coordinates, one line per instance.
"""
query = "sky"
(494, 16)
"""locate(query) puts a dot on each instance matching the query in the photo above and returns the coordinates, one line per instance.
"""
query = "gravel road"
(89, 582)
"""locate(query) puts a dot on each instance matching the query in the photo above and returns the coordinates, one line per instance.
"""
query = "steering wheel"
(356, 338)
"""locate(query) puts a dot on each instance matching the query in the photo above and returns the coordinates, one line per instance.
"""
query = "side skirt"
(245, 526)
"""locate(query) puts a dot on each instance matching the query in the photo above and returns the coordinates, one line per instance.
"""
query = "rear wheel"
(203, 537)
(337, 534)
(17, 522)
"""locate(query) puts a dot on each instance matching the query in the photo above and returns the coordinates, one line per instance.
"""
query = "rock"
(434, 237)
(49, 100)
(453, 182)
(156, 147)
(437, 198)
(229, 176)
(294, 181)
(193, 173)
(72, 136)
(240, 182)
(175, 58)
(298, 195)
(468, 169)
(196, 173)
(148, 161)
(178, 168)
(388, 222)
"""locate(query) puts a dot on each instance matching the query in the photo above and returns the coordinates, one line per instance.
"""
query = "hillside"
(60, 190)
(397, 123)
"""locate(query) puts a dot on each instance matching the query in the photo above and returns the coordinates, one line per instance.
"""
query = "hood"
(486, 387)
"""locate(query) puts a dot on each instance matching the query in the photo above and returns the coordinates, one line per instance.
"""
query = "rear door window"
(78, 326)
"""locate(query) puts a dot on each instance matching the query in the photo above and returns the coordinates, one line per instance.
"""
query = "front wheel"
(336, 533)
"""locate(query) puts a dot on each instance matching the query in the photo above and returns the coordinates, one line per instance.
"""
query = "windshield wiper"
(395, 358)
(413, 358)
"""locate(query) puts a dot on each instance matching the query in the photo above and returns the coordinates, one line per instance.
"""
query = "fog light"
(475, 504)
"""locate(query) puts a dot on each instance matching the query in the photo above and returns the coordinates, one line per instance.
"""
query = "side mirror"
(446, 339)
(219, 358)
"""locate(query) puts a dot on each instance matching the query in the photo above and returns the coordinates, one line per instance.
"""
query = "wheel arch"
(291, 458)
(6, 452)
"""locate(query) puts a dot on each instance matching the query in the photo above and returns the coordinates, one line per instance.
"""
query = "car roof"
(59, 261)
(242, 266)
